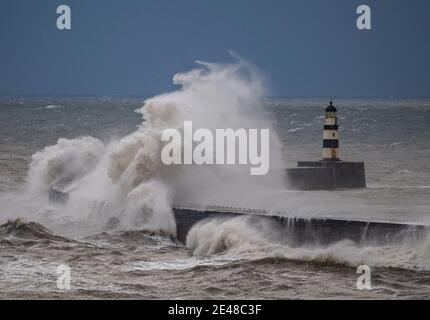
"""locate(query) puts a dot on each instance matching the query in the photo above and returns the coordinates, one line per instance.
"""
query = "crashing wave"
(21, 230)
(127, 175)
(239, 238)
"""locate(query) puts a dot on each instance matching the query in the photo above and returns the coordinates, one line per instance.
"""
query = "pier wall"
(312, 232)
(297, 231)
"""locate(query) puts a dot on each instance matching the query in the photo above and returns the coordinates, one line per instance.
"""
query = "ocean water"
(392, 137)
(105, 155)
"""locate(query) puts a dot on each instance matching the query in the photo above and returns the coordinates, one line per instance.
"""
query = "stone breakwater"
(306, 231)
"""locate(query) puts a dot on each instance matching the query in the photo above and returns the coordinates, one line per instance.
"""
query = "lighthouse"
(331, 135)
(329, 173)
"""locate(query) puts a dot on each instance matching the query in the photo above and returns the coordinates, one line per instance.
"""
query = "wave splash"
(243, 239)
(125, 178)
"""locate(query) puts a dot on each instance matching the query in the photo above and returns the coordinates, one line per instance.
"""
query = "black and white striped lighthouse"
(331, 135)
(330, 173)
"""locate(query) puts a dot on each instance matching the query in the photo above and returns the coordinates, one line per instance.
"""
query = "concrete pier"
(295, 231)
(311, 232)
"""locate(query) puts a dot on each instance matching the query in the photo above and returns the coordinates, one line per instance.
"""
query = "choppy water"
(392, 137)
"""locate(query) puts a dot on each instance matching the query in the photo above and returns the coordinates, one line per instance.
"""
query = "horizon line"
(153, 95)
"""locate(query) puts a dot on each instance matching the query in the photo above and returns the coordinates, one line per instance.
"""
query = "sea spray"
(68, 160)
(125, 178)
(219, 235)
(242, 238)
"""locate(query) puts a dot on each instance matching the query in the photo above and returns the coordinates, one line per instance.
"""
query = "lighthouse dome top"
(330, 108)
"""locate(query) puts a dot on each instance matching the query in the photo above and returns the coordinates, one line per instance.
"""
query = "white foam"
(53, 107)
(126, 177)
(237, 237)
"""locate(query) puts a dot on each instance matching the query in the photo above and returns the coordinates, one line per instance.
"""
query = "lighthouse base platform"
(326, 175)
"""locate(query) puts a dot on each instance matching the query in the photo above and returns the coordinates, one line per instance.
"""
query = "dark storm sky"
(134, 47)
